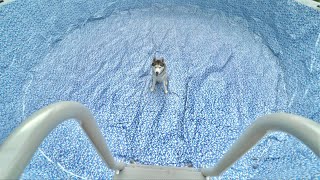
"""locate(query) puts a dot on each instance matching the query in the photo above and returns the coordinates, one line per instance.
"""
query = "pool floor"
(222, 77)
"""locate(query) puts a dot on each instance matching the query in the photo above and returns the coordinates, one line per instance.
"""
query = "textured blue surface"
(228, 62)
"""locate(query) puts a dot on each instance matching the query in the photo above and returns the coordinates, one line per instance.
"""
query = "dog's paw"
(151, 89)
(166, 92)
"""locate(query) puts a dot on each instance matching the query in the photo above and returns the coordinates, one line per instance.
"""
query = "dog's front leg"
(153, 84)
(165, 83)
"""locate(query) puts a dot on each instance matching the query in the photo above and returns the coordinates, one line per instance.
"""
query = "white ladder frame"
(18, 149)
(302, 128)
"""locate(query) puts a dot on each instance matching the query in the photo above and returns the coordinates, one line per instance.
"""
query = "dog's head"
(158, 66)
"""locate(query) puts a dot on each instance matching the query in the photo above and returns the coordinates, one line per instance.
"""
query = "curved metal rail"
(311, 3)
(302, 128)
(17, 151)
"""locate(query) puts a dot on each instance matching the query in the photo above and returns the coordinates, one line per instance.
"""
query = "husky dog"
(159, 74)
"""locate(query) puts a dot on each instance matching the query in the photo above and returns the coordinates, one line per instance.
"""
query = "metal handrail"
(313, 3)
(17, 151)
(302, 128)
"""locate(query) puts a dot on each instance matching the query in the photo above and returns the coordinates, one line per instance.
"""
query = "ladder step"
(135, 171)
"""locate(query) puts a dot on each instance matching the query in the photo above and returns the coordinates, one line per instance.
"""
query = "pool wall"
(28, 30)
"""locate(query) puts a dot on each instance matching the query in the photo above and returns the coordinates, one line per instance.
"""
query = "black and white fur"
(159, 74)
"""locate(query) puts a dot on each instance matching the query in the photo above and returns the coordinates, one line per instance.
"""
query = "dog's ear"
(162, 60)
(154, 61)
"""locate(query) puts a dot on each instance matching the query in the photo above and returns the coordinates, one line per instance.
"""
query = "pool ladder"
(18, 149)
